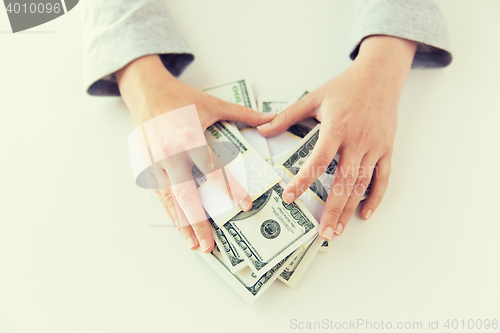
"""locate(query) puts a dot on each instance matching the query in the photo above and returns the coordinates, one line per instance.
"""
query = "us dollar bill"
(275, 105)
(298, 156)
(235, 154)
(300, 261)
(301, 129)
(249, 285)
(238, 92)
(225, 143)
(233, 258)
(290, 138)
(270, 105)
(258, 142)
(271, 230)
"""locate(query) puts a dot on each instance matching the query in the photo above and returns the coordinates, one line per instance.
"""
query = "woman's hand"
(358, 112)
(150, 91)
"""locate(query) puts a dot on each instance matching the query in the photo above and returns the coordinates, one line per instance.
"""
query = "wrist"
(142, 84)
(386, 57)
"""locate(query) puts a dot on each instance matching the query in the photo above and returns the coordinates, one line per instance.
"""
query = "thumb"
(245, 114)
(296, 112)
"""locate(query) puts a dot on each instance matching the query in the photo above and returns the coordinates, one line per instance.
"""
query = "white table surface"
(78, 248)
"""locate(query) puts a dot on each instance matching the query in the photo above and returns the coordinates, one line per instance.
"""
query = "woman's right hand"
(150, 91)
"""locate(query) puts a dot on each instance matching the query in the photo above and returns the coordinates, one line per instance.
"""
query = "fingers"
(169, 204)
(195, 233)
(343, 184)
(167, 200)
(190, 236)
(296, 112)
(379, 186)
(186, 196)
(163, 194)
(165, 207)
(234, 112)
(186, 230)
(203, 232)
(190, 211)
(322, 155)
(365, 173)
(226, 181)
(211, 166)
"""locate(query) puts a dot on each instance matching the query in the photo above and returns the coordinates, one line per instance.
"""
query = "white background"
(79, 250)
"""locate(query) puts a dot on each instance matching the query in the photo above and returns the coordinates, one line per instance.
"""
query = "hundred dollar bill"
(301, 129)
(288, 139)
(233, 259)
(257, 230)
(258, 142)
(292, 136)
(281, 142)
(269, 105)
(238, 91)
(300, 261)
(271, 230)
(297, 157)
(277, 158)
(318, 191)
(246, 283)
(242, 161)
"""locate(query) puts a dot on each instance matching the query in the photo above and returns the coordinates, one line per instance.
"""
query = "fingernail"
(328, 233)
(264, 126)
(244, 204)
(368, 214)
(338, 228)
(205, 245)
(289, 197)
(191, 243)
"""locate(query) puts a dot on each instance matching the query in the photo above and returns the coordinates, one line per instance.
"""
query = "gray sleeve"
(418, 20)
(116, 32)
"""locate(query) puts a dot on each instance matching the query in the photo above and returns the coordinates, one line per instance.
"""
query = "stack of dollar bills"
(274, 240)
